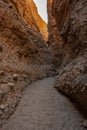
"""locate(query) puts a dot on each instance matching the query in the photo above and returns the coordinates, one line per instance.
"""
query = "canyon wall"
(71, 22)
(24, 57)
(54, 38)
(17, 40)
(28, 11)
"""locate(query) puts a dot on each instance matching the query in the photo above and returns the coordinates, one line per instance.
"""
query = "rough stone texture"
(13, 34)
(24, 57)
(54, 38)
(72, 80)
(11, 90)
(28, 11)
(85, 124)
(71, 22)
(20, 43)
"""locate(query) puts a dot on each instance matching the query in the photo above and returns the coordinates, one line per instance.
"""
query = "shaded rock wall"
(71, 22)
(54, 38)
(72, 25)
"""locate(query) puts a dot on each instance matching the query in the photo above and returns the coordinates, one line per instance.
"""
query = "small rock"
(11, 86)
(85, 123)
(15, 77)
(2, 73)
(83, 89)
(4, 88)
(24, 76)
(2, 107)
(10, 6)
(73, 22)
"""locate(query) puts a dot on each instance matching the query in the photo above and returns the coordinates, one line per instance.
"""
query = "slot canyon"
(43, 66)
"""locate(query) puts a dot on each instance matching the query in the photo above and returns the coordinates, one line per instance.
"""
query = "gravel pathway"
(43, 108)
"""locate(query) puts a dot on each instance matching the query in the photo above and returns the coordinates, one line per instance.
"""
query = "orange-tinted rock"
(28, 11)
(19, 41)
(41, 25)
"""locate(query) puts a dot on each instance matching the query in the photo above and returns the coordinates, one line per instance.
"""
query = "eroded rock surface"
(24, 56)
(28, 11)
(72, 80)
(71, 22)
(54, 38)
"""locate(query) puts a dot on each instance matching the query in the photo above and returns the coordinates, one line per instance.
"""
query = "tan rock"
(15, 77)
(2, 107)
(28, 11)
(11, 86)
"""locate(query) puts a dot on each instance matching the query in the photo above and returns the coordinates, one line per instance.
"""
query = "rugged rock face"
(42, 26)
(28, 11)
(71, 22)
(54, 38)
(15, 35)
(72, 80)
(71, 19)
(24, 57)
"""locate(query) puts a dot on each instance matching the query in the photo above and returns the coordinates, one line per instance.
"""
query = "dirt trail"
(43, 108)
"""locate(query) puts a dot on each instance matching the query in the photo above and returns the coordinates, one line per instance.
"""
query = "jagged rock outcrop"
(71, 22)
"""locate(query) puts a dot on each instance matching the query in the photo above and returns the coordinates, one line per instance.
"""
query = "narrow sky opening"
(42, 9)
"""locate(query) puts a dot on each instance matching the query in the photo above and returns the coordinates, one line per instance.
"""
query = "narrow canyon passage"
(32, 49)
(43, 108)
